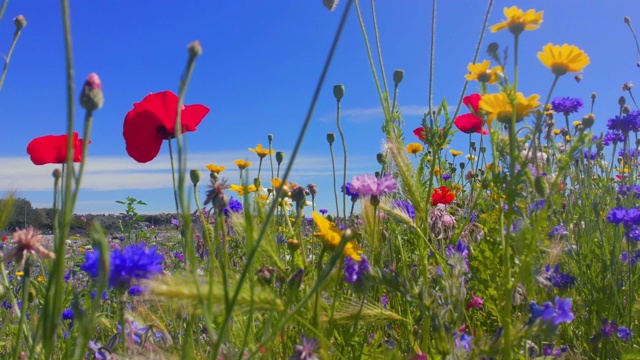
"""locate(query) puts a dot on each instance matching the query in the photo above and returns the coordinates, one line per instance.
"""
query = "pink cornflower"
(369, 185)
(26, 242)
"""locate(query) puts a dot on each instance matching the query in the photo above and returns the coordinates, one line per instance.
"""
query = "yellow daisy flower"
(241, 189)
(215, 168)
(562, 59)
(40, 278)
(414, 148)
(518, 21)
(556, 131)
(19, 273)
(242, 164)
(481, 72)
(498, 107)
(577, 123)
(260, 151)
(455, 152)
(331, 237)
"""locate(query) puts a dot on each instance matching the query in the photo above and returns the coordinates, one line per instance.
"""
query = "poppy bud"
(195, 176)
(374, 200)
(338, 91)
(330, 4)
(257, 183)
(91, 97)
(594, 95)
(627, 20)
(57, 174)
(349, 234)
(270, 137)
(279, 157)
(20, 22)
(626, 109)
(493, 48)
(331, 137)
(293, 245)
(381, 159)
(194, 49)
(588, 121)
(398, 75)
(622, 101)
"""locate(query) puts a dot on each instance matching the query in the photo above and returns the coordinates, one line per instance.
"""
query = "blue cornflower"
(626, 123)
(559, 279)
(629, 152)
(460, 248)
(612, 137)
(626, 217)
(590, 155)
(446, 177)
(558, 231)
(550, 313)
(233, 206)
(132, 330)
(624, 333)
(350, 190)
(406, 206)
(634, 233)
(133, 262)
(629, 189)
(135, 291)
(67, 314)
(354, 271)
(306, 350)
(566, 105)
(537, 205)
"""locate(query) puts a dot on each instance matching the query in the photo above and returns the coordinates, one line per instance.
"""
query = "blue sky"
(257, 74)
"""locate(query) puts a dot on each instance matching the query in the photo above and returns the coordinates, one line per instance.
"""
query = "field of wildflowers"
(524, 247)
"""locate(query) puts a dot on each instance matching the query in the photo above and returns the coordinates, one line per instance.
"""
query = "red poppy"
(442, 195)
(473, 102)
(472, 122)
(52, 149)
(419, 132)
(153, 120)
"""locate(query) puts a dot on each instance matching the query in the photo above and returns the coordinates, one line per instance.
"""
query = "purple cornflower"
(550, 313)
(354, 271)
(608, 328)
(558, 231)
(446, 177)
(559, 279)
(306, 350)
(135, 291)
(133, 330)
(67, 314)
(625, 123)
(178, 256)
(406, 206)
(629, 189)
(323, 211)
(566, 105)
(624, 333)
(626, 217)
(630, 152)
(612, 137)
(384, 301)
(461, 249)
(349, 189)
(233, 206)
(590, 155)
(175, 222)
(133, 262)
(369, 185)
(537, 205)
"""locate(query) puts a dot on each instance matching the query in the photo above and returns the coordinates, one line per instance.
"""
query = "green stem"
(344, 149)
(432, 55)
(26, 282)
(173, 177)
(7, 58)
(3, 8)
(335, 186)
(378, 47)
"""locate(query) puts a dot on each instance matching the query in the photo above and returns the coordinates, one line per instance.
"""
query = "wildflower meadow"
(522, 244)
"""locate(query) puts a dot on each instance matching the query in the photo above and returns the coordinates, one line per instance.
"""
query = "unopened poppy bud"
(270, 137)
(626, 109)
(279, 157)
(57, 174)
(257, 183)
(594, 95)
(627, 20)
(493, 48)
(588, 121)
(622, 101)
(330, 4)
(381, 159)
(91, 97)
(20, 22)
(293, 245)
(331, 137)
(195, 176)
(338, 91)
(313, 189)
(374, 200)
(194, 49)
(398, 75)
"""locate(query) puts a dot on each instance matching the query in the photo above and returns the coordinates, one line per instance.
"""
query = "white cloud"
(364, 115)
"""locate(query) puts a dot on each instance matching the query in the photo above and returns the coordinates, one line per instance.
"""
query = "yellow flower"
(480, 72)
(577, 123)
(331, 237)
(19, 273)
(215, 168)
(568, 138)
(498, 107)
(455, 152)
(436, 171)
(556, 131)
(241, 189)
(40, 278)
(518, 21)
(242, 164)
(562, 59)
(414, 148)
(260, 151)
(471, 157)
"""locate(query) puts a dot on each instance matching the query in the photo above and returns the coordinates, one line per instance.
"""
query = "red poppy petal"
(52, 149)
(141, 134)
(420, 133)
(473, 102)
(468, 123)
(192, 115)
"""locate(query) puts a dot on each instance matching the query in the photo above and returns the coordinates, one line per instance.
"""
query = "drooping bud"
(331, 137)
(338, 91)
(330, 4)
(295, 280)
(398, 75)
(381, 159)
(493, 48)
(594, 95)
(194, 49)
(627, 20)
(91, 97)
(588, 121)
(279, 157)
(20, 22)
(195, 176)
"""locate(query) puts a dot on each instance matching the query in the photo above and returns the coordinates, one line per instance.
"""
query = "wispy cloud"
(364, 115)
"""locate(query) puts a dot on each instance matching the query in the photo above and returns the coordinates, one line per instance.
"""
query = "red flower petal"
(473, 102)
(420, 133)
(153, 120)
(468, 123)
(52, 149)
(442, 195)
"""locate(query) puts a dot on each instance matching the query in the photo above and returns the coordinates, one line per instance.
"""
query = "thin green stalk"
(26, 282)
(432, 55)
(378, 47)
(3, 8)
(344, 150)
(173, 177)
(271, 154)
(263, 230)
(7, 58)
(335, 185)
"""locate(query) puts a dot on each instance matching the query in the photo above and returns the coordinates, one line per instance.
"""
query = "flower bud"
(331, 137)
(20, 22)
(270, 137)
(338, 91)
(588, 121)
(626, 109)
(295, 280)
(91, 97)
(627, 86)
(622, 101)
(493, 48)
(627, 20)
(330, 4)
(257, 183)
(195, 176)
(540, 185)
(194, 49)
(57, 174)
(279, 157)
(398, 75)
(265, 275)
(293, 245)
(594, 95)
(381, 159)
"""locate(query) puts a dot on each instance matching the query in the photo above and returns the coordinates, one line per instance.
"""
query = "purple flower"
(369, 185)
(558, 231)
(624, 333)
(175, 222)
(550, 313)
(629, 189)
(566, 105)
(354, 271)
(464, 342)
(349, 189)
(626, 217)
(626, 123)
(559, 279)
(612, 137)
(67, 314)
(132, 330)
(133, 262)
(135, 291)
(233, 206)
(537, 205)
(590, 155)
(306, 350)
(608, 328)
(323, 211)
(446, 177)
(406, 206)
(384, 301)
